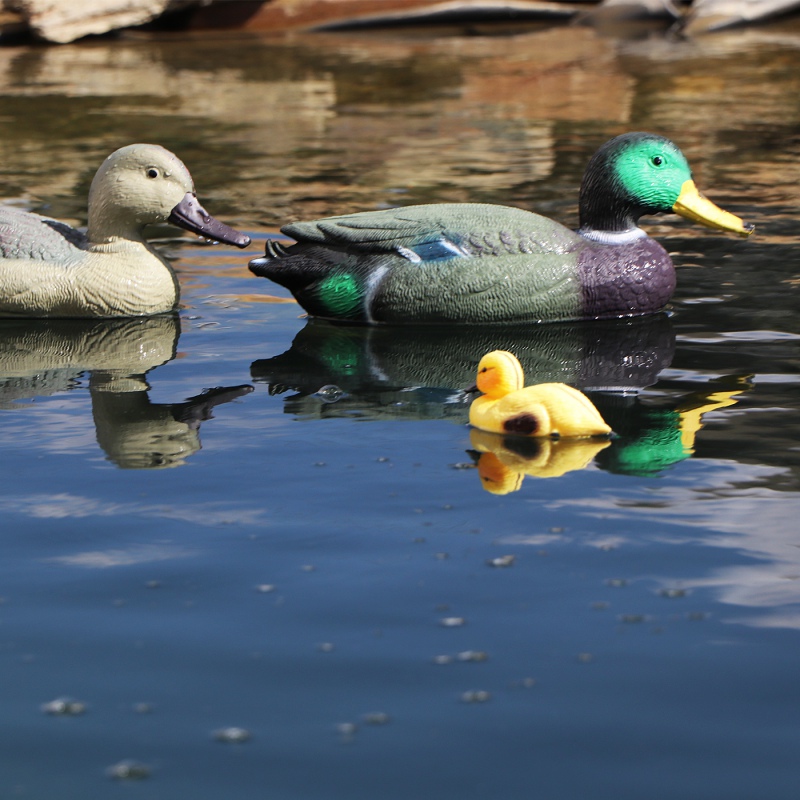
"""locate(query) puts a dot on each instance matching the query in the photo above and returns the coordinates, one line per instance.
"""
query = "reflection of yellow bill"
(692, 205)
(502, 468)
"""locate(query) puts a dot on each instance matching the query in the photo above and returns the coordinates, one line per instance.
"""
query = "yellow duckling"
(547, 409)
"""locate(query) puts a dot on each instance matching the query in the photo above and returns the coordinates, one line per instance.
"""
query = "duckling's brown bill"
(191, 216)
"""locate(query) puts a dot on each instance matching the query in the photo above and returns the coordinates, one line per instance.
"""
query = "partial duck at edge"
(49, 269)
(476, 263)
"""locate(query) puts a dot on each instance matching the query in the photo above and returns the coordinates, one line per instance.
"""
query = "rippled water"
(239, 519)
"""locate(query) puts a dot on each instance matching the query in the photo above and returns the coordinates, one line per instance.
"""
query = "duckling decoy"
(49, 269)
(472, 263)
(546, 409)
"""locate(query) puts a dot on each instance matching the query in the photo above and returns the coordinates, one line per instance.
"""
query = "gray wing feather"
(475, 228)
(24, 235)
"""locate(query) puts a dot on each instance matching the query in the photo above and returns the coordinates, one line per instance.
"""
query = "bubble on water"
(617, 583)
(673, 594)
(326, 647)
(600, 605)
(232, 735)
(476, 696)
(443, 659)
(265, 588)
(128, 770)
(154, 584)
(475, 656)
(463, 465)
(501, 561)
(442, 556)
(308, 568)
(330, 393)
(64, 707)
(143, 708)
(452, 622)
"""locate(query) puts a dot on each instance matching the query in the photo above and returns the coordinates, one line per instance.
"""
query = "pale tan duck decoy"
(49, 269)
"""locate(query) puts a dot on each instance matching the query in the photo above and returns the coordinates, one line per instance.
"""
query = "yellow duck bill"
(692, 205)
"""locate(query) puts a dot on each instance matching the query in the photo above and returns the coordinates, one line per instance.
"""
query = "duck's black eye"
(152, 172)
(657, 161)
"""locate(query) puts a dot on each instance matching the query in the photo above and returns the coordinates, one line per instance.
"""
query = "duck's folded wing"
(28, 236)
(431, 232)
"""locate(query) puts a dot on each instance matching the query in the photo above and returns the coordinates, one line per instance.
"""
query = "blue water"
(325, 569)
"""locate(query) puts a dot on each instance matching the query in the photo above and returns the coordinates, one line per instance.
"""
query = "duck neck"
(604, 205)
(107, 227)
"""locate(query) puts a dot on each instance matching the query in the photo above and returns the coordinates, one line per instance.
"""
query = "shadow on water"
(44, 357)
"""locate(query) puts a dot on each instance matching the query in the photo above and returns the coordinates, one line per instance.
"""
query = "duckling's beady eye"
(152, 172)
(657, 161)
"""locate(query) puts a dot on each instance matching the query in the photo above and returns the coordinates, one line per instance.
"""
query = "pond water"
(252, 556)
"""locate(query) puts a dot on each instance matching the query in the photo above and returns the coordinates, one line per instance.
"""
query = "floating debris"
(452, 622)
(632, 619)
(347, 730)
(64, 707)
(464, 465)
(617, 583)
(128, 771)
(265, 588)
(672, 594)
(476, 696)
(501, 561)
(474, 656)
(376, 718)
(232, 735)
(443, 659)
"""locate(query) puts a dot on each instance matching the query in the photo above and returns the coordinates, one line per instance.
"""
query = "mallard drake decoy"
(545, 409)
(468, 262)
(48, 269)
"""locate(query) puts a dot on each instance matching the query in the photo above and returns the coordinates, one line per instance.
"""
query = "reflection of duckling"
(547, 409)
(505, 460)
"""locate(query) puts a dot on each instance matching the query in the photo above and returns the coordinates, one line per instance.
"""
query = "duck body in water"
(49, 269)
(475, 263)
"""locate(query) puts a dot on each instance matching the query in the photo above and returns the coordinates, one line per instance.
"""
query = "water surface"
(237, 517)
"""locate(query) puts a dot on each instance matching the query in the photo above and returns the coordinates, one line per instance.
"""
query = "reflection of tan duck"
(41, 357)
(547, 409)
(48, 269)
(504, 461)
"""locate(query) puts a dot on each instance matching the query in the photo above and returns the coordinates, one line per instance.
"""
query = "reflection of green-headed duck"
(472, 262)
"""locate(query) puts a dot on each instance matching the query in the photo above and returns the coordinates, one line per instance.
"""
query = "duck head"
(142, 184)
(642, 173)
(499, 374)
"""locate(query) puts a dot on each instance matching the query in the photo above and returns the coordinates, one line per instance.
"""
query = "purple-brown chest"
(621, 280)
